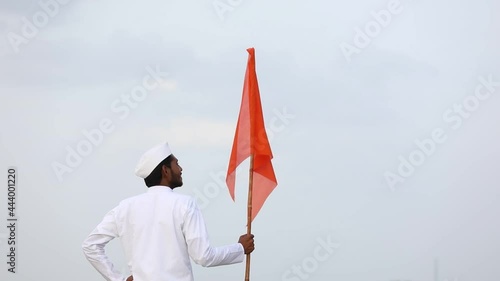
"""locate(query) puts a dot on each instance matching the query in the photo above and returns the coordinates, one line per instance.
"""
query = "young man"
(159, 230)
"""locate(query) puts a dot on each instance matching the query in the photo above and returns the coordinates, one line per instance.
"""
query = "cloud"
(190, 131)
(74, 62)
(182, 132)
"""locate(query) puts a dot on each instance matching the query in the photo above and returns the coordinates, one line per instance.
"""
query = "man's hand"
(248, 244)
(130, 278)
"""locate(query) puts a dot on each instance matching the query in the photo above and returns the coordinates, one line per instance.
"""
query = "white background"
(341, 122)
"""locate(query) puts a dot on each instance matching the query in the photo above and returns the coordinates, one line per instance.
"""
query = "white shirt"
(159, 230)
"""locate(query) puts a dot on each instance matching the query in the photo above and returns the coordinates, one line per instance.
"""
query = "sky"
(381, 116)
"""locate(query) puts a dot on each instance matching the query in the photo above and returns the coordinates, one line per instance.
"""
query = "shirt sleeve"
(198, 244)
(93, 247)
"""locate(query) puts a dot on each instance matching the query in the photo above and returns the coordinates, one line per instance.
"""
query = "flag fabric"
(251, 139)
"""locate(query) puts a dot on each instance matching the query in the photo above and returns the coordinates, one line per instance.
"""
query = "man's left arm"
(93, 247)
(199, 247)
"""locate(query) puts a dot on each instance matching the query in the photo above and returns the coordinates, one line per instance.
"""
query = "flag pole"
(249, 214)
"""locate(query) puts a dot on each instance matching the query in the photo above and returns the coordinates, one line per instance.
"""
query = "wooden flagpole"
(249, 215)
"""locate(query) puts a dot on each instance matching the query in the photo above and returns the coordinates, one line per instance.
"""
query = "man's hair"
(155, 177)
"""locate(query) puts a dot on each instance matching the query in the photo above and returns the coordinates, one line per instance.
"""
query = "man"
(159, 230)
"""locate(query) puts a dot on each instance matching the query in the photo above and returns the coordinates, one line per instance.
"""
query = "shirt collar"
(159, 188)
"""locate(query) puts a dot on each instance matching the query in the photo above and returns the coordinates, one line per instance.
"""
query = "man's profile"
(160, 230)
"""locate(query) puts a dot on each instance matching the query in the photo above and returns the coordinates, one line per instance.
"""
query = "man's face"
(175, 173)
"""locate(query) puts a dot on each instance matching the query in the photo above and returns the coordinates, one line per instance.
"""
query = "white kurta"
(159, 230)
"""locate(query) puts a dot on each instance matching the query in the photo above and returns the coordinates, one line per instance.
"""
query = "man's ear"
(164, 169)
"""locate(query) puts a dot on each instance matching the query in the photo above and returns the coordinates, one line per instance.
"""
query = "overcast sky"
(382, 117)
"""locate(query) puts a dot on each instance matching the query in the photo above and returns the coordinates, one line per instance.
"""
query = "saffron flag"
(251, 139)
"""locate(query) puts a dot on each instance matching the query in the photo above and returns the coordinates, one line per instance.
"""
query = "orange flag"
(251, 139)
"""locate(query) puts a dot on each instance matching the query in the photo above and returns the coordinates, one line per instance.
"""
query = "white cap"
(151, 159)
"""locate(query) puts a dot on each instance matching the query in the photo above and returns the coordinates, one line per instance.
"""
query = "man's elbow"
(85, 248)
(88, 249)
(203, 262)
(206, 259)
